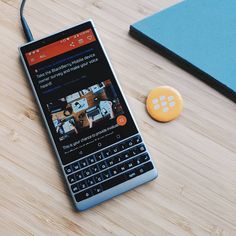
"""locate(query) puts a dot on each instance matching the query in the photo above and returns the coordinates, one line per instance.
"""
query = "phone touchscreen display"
(78, 92)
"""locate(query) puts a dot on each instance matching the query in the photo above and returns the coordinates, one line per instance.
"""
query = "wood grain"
(195, 193)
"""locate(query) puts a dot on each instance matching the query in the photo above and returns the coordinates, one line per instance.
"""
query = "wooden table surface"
(195, 193)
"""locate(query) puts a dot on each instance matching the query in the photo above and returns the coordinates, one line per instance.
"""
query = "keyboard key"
(141, 148)
(68, 170)
(114, 150)
(110, 162)
(129, 143)
(71, 179)
(118, 159)
(83, 195)
(82, 185)
(133, 152)
(148, 166)
(75, 166)
(145, 157)
(91, 160)
(130, 164)
(105, 175)
(138, 160)
(121, 147)
(102, 165)
(107, 153)
(97, 189)
(83, 163)
(137, 139)
(98, 156)
(121, 168)
(94, 169)
(98, 178)
(113, 182)
(140, 170)
(90, 181)
(126, 155)
(86, 172)
(74, 188)
(131, 174)
(114, 171)
(79, 175)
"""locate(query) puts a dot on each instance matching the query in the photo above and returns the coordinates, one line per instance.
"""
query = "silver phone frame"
(117, 190)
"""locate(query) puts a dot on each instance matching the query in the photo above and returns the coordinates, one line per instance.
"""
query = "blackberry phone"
(96, 140)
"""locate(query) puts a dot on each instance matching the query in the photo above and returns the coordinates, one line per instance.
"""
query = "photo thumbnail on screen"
(85, 109)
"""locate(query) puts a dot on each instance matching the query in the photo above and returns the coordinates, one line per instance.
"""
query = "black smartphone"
(95, 137)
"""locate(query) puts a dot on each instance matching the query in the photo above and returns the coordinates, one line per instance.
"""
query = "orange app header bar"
(59, 47)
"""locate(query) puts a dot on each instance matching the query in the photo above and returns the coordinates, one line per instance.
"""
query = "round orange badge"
(164, 103)
(121, 120)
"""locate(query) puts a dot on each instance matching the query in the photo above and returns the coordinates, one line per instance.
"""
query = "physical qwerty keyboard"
(107, 168)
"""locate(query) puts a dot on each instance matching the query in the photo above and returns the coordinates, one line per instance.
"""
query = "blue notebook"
(200, 36)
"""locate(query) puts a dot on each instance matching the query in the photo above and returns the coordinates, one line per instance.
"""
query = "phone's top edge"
(63, 29)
